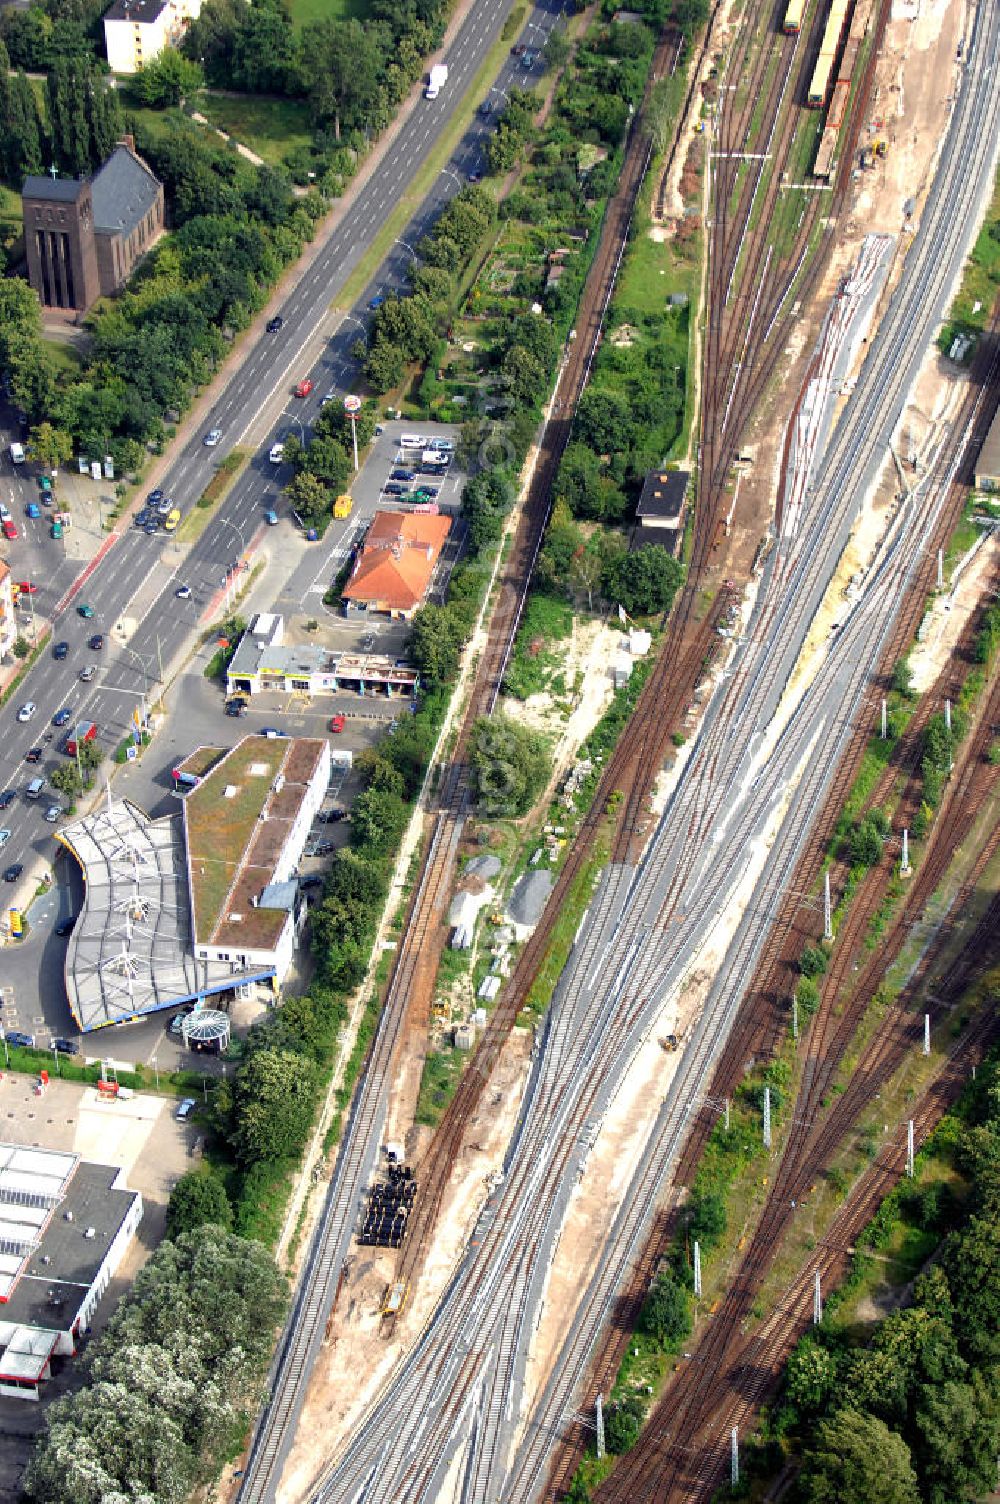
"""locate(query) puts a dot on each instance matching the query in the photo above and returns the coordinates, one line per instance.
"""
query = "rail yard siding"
(826, 62)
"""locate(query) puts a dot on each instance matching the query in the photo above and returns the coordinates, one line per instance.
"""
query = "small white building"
(136, 31)
(65, 1226)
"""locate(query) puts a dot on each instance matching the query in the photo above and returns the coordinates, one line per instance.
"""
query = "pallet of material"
(825, 163)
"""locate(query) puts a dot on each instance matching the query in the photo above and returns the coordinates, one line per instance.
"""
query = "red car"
(9, 530)
(337, 723)
(304, 387)
(26, 587)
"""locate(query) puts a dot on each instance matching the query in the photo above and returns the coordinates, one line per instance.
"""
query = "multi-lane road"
(453, 1408)
(138, 576)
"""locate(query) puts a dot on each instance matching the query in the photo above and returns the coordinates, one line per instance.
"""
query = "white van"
(34, 789)
(412, 441)
(17, 454)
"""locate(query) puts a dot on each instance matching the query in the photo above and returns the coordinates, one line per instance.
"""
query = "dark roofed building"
(83, 238)
(661, 504)
(65, 1226)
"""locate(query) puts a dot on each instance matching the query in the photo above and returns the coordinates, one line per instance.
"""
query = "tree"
(622, 1424)
(342, 64)
(604, 421)
(66, 779)
(810, 1375)
(49, 446)
(168, 79)
(511, 763)
(813, 961)
(644, 581)
(866, 841)
(958, 1439)
(666, 1314)
(486, 501)
(556, 49)
(309, 497)
(274, 1101)
(198, 1197)
(378, 820)
(438, 635)
(706, 1218)
(856, 1459)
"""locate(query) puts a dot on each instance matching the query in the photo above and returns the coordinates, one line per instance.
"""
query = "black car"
(273, 325)
(62, 716)
(14, 1036)
(330, 816)
(13, 872)
(236, 707)
(61, 650)
(142, 519)
(34, 754)
(315, 881)
(66, 1046)
(322, 848)
(65, 926)
(7, 798)
(485, 110)
(151, 527)
(96, 642)
(154, 497)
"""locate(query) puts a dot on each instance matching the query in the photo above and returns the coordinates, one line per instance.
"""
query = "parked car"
(25, 587)
(275, 324)
(485, 110)
(152, 527)
(45, 485)
(236, 708)
(15, 1036)
(7, 798)
(393, 488)
(55, 531)
(376, 303)
(4, 836)
(163, 507)
(62, 716)
(66, 1046)
(4, 512)
(270, 517)
(185, 1109)
(271, 732)
(475, 177)
(61, 650)
(85, 611)
(183, 592)
(52, 813)
(154, 496)
(315, 880)
(11, 875)
(9, 530)
(65, 926)
(330, 816)
(86, 674)
(212, 438)
(400, 474)
(142, 518)
(337, 722)
(304, 387)
(31, 510)
(277, 453)
(172, 518)
(96, 642)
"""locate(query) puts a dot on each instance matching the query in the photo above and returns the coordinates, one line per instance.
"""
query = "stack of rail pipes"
(827, 54)
(793, 17)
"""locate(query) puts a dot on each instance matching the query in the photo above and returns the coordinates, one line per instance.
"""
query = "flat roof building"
(65, 1225)
(8, 621)
(395, 567)
(264, 661)
(245, 828)
(988, 463)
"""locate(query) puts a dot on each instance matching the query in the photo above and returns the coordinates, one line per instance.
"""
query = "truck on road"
(436, 80)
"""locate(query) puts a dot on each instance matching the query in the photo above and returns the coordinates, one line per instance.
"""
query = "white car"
(183, 592)
(212, 437)
(27, 710)
(52, 813)
(277, 454)
(185, 1109)
(5, 513)
(4, 836)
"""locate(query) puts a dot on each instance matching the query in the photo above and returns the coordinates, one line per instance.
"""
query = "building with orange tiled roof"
(395, 566)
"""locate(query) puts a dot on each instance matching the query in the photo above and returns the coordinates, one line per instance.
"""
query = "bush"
(666, 1314)
(198, 1197)
(622, 1424)
(814, 961)
(511, 764)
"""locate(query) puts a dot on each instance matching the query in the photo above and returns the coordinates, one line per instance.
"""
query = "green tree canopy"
(511, 764)
(856, 1459)
(643, 581)
(666, 1314)
(273, 1106)
(198, 1197)
(438, 635)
